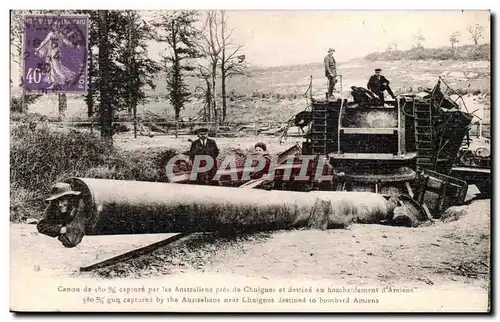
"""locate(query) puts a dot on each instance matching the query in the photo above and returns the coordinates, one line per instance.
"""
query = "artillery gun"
(406, 147)
(383, 163)
(473, 164)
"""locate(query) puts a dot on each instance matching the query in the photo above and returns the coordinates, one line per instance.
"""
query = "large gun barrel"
(135, 207)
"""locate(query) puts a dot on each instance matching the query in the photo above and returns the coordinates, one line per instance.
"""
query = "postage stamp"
(55, 53)
(251, 161)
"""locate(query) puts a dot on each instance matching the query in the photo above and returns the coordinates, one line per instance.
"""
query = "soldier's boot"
(389, 90)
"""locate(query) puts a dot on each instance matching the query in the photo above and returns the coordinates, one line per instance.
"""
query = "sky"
(273, 38)
(287, 37)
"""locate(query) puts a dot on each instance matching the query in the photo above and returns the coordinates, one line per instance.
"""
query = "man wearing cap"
(378, 84)
(63, 218)
(330, 71)
(204, 146)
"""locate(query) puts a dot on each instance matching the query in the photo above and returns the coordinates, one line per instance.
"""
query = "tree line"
(120, 70)
(475, 32)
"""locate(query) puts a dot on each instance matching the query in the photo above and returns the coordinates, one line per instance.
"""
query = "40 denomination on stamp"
(55, 53)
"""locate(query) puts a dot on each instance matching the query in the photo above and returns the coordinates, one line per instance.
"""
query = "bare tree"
(16, 36)
(232, 61)
(16, 40)
(220, 56)
(418, 39)
(210, 48)
(106, 107)
(454, 39)
(476, 32)
(205, 75)
(392, 47)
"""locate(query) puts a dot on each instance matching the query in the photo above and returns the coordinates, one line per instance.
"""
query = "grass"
(40, 157)
(16, 102)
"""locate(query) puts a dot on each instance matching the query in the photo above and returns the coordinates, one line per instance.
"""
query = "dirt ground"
(456, 251)
(444, 252)
(128, 142)
(453, 254)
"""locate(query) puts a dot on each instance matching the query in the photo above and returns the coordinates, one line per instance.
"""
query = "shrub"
(465, 52)
(41, 156)
(27, 117)
(15, 102)
(24, 203)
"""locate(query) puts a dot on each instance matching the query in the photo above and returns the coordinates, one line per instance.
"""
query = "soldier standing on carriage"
(378, 84)
(330, 72)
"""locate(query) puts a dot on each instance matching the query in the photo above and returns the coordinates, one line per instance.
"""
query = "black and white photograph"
(179, 160)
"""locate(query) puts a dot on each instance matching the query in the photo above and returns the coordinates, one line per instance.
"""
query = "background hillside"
(464, 52)
(276, 93)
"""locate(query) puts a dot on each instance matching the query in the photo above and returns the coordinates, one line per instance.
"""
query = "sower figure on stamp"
(206, 147)
(50, 50)
(330, 72)
(378, 84)
(64, 215)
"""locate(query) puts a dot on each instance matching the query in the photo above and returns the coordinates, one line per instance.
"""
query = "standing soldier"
(206, 147)
(64, 215)
(378, 84)
(330, 71)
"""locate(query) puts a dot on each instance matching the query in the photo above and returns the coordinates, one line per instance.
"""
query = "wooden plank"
(472, 170)
(373, 156)
(369, 130)
(444, 177)
(402, 133)
(133, 253)
(422, 188)
(408, 187)
(472, 176)
(180, 177)
(427, 212)
(442, 197)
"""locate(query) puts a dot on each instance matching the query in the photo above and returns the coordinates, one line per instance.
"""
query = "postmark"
(55, 53)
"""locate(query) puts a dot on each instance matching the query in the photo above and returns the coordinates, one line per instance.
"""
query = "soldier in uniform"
(63, 217)
(330, 71)
(378, 84)
(207, 147)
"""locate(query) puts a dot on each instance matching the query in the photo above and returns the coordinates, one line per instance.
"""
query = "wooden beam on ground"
(427, 212)
(133, 253)
(408, 187)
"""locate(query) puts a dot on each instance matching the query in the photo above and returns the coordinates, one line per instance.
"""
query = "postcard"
(250, 161)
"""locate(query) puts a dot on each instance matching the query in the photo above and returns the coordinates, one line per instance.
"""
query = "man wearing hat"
(330, 71)
(206, 147)
(63, 218)
(378, 84)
